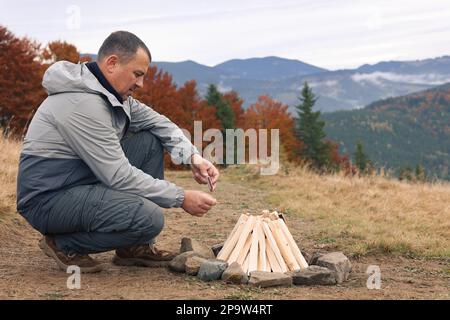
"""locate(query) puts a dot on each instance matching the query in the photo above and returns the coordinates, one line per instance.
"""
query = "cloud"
(378, 77)
(329, 34)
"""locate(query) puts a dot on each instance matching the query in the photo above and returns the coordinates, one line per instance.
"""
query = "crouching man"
(91, 171)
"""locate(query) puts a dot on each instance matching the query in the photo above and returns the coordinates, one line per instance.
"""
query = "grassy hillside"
(409, 130)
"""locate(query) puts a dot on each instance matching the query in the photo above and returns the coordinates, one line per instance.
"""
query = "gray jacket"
(74, 138)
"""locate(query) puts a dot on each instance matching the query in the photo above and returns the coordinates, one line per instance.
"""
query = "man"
(91, 172)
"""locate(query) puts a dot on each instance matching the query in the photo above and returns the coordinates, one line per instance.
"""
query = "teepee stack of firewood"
(262, 243)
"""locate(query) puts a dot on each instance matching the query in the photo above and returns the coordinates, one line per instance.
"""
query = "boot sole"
(50, 253)
(139, 262)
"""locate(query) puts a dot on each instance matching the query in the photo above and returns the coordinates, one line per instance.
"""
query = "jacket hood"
(65, 76)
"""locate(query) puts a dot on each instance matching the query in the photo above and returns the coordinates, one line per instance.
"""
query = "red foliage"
(21, 73)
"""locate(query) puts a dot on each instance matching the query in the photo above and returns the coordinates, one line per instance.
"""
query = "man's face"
(126, 77)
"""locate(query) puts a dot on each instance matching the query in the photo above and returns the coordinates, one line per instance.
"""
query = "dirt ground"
(26, 273)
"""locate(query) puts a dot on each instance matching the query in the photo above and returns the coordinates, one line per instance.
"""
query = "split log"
(283, 245)
(245, 264)
(262, 249)
(245, 250)
(248, 227)
(268, 269)
(232, 239)
(274, 247)
(253, 264)
(293, 245)
(274, 265)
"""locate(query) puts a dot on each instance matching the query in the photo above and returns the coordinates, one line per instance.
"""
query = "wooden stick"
(242, 218)
(245, 264)
(274, 265)
(295, 250)
(273, 215)
(245, 250)
(268, 269)
(262, 263)
(253, 264)
(231, 241)
(248, 227)
(283, 245)
(274, 246)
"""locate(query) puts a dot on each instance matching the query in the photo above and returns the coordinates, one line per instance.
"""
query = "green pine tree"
(420, 173)
(224, 114)
(360, 158)
(223, 109)
(310, 131)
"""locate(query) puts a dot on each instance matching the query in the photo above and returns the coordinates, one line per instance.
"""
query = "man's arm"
(181, 149)
(171, 136)
(88, 130)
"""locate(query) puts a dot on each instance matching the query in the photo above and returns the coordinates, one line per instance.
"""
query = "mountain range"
(283, 79)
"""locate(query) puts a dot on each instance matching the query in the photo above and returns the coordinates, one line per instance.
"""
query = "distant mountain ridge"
(408, 130)
(283, 79)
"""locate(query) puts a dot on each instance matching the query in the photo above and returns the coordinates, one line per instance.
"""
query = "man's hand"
(197, 203)
(202, 169)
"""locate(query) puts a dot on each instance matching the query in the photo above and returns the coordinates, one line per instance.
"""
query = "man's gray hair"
(124, 44)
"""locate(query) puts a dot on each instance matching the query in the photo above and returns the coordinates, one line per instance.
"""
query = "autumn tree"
(21, 91)
(160, 93)
(267, 113)
(337, 161)
(60, 50)
(195, 108)
(310, 131)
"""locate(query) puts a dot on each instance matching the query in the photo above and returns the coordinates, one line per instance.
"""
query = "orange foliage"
(270, 114)
(58, 51)
(338, 161)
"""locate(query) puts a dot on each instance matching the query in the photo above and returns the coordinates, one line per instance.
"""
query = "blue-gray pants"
(94, 218)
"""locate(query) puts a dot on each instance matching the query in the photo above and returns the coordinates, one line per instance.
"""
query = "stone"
(269, 279)
(314, 257)
(314, 275)
(306, 255)
(211, 270)
(235, 274)
(216, 248)
(188, 244)
(337, 262)
(178, 264)
(193, 265)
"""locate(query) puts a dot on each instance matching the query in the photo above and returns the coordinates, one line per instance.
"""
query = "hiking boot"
(144, 255)
(84, 262)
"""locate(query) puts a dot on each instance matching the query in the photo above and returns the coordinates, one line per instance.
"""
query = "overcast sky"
(330, 34)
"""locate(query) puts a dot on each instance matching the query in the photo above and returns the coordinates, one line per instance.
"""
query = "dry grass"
(9, 157)
(362, 215)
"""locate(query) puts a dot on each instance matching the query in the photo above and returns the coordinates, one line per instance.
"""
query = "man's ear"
(111, 62)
